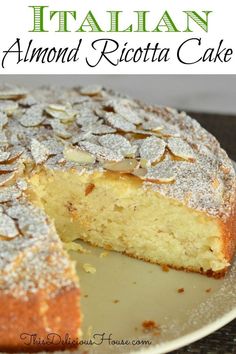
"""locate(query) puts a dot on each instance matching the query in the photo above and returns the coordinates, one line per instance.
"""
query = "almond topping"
(77, 155)
(125, 166)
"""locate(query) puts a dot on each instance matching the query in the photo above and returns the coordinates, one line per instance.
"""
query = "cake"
(87, 163)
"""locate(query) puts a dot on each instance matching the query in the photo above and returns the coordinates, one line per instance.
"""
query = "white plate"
(145, 292)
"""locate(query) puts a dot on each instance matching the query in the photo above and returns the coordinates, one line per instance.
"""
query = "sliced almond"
(124, 166)
(32, 117)
(16, 152)
(4, 156)
(98, 129)
(63, 113)
(77, 155)
(9, 194)
(60, 129)
(39, 152)
(127, 113)
(6, 168)
(154, 125)
(169, 133)
(151, 150)
(119, 122)
(8, 92)
(91, 90)
(3, 120)
(6, 177)
(119, 143)
(3, 139)
(181, 149)
(140, 172)
(7, 227)
(8, 107)
(57, 107)
(163, 172)
(101, 152)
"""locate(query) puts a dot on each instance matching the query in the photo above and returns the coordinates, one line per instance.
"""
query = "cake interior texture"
(112, 211)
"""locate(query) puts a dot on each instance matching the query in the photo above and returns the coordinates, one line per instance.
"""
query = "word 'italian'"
(143, 21)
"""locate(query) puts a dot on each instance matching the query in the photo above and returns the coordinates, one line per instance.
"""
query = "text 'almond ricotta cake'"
(91, 164)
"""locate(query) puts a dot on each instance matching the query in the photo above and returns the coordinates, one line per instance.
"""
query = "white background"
(16, 19)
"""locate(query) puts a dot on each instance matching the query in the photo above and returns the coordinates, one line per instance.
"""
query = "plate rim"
(175, 344)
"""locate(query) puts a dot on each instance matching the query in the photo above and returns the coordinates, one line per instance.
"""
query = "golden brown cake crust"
(229, 233)
(40, 315)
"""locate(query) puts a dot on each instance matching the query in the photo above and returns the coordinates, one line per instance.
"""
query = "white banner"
(117, 37)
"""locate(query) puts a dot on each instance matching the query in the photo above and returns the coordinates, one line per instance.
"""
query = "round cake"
(88, 163)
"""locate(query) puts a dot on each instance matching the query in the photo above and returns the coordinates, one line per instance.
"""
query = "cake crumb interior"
(113, 211)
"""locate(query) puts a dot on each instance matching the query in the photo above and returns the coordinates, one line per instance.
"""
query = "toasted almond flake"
(77, 155)
(151, 150)
(39, 152)
(54, 146)
(60, 129)
(86, 119)
(27, 101)
(3, 139)
(57, 107)
(181, 149)
(9, 194)
(101, 152)
(91, 90)
(65, 115)
(124, 166)
(8, 107)
(89, 268)
(84, 136)
(146, 133)
(32, 117)
(98, 129)
(140, 172)
(6, 177)
(8, 92)
(163, 172)
(15, 153)
(6, 168)
(118, 143)
(7, 227)
(170, 133)
(119, 122)
(127, 113)
(114, 141)
(4, 156)
(155, 125)
(3, 120)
